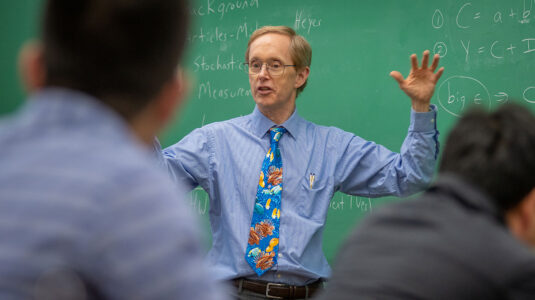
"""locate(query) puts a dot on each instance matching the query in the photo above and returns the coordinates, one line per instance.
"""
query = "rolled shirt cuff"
(424, 121)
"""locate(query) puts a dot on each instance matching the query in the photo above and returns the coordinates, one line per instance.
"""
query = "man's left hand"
(421, 82)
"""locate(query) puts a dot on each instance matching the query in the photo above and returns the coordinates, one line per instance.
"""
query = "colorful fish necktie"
(263, 244)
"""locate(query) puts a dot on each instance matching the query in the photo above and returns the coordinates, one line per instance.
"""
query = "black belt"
(279, 290)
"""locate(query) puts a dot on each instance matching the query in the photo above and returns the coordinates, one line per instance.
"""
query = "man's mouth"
(264, 90)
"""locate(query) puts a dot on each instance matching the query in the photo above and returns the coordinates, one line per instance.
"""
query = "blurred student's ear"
(172, 96)
(161, 110)
(31, 66)
(521, 219)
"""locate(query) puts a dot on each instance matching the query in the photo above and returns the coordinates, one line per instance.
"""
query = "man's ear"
(521, 219)
(32, 66)
(301, 77)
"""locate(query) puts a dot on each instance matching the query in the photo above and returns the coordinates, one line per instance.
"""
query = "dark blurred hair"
(495, 152)
(120, 51)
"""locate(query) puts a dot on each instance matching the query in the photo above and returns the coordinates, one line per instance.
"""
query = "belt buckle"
(267, 290)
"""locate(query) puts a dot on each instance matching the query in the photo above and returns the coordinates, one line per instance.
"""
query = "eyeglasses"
(274, 68)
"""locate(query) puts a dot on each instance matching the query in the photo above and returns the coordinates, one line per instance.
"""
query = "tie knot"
(276, 133)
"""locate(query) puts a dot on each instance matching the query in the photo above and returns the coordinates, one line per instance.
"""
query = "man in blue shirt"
(78, 221)
(224, 158)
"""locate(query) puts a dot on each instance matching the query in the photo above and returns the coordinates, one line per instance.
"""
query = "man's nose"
(264, 70)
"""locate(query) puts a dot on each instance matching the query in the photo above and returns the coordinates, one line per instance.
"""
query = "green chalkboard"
(487, 48)
(18, 23)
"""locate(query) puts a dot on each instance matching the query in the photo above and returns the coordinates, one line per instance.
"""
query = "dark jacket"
(451, 243)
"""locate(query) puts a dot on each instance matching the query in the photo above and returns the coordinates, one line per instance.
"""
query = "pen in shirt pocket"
(311, 179)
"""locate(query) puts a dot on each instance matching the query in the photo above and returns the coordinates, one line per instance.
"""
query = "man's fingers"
(438, 74)
(434, 64)
(397, 76)
(425, 59)
(414, 62)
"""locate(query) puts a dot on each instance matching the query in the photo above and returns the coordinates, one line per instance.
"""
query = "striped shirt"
(225, 159)
(85, 210)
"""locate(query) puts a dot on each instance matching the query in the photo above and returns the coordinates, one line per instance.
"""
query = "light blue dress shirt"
(81, 200)
(225, 158)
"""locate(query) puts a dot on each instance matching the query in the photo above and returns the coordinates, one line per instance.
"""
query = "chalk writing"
(496, 49)
(306, 23)
(501, 97)
(200, 63)
(528, 45)
(526, 12)
(459, 14)
(437, 21)
(348, 202)
(217, 35)
(211, 36)
(364, 204)
(199, 201)
(337, 204)
(469, 15)
(458, 92)
(209, 8)
(529, 94)
(441, 49)
(207, 91)
(244, 31)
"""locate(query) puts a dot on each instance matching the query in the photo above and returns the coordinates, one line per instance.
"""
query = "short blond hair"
(300, 49)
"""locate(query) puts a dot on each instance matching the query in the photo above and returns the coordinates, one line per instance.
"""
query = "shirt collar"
(67, 107)
(57, 103)
(261, 124)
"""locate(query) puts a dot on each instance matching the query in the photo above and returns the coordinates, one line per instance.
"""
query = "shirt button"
(280, 254)
(432, 120)
(278, 275)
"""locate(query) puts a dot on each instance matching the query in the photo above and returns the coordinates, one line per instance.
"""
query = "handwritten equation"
(469, 16)
(480, 38)
(458, 92)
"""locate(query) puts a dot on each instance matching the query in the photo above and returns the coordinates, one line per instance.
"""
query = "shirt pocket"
(314, 198)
